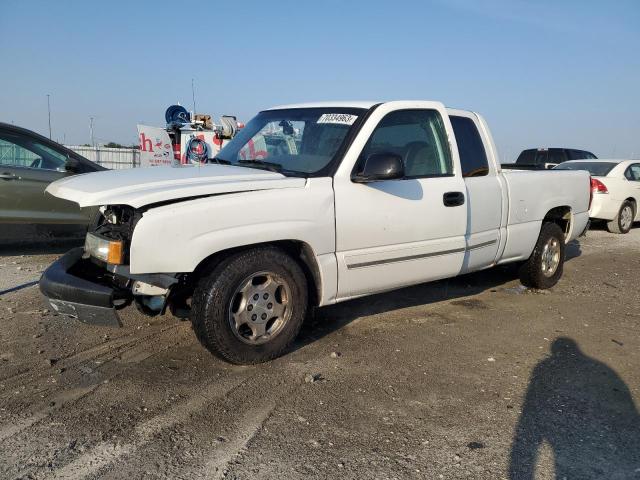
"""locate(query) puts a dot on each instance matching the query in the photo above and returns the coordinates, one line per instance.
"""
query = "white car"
(310, 205)
(616, 190)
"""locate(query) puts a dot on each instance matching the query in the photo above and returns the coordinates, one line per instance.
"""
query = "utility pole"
(93, 143)
(49, 111)
(193, 96)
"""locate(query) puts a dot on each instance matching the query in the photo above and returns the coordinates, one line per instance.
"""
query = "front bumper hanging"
(69, 294)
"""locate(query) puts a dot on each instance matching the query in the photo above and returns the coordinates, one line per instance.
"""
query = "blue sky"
(543, 73)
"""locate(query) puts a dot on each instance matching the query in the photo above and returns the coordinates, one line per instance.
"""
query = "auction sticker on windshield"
(341, 118)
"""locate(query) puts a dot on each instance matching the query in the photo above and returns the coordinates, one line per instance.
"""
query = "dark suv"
(545, 158)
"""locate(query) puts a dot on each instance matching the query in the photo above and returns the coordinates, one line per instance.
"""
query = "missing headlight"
(109, 215)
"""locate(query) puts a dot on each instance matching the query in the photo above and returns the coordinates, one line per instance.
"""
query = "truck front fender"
(176, 238)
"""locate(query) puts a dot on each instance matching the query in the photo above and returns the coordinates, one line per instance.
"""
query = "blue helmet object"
(177, 114)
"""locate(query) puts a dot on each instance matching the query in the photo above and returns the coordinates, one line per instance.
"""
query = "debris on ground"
(313, 377)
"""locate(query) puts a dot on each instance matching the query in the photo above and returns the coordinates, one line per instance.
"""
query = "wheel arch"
(635, 203)
(561, 216)
(299, 250)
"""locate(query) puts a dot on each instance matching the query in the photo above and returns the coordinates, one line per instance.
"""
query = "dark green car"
(28, 164)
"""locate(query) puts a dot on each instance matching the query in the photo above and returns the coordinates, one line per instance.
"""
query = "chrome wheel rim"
(550, 257)
(260, 308)
(626, 217)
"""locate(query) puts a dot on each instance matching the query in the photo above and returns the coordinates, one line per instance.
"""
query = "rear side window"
(541, 157)
(556, 156)
(473, 157)
(527, 157)
(576, 155)
(580, 155)
(597, 169)
(633, 172)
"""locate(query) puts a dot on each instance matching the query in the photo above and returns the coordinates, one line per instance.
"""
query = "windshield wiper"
(221, 161)
(274, 167)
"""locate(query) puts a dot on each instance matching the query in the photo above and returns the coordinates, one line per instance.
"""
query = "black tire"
(617, 225)
(216, 290)
(532, 272)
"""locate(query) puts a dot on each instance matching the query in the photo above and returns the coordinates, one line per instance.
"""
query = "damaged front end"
(93, 282)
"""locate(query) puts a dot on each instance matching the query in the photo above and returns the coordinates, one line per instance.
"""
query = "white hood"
(143, 186)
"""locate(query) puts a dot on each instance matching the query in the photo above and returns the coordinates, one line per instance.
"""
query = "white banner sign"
(155, 146)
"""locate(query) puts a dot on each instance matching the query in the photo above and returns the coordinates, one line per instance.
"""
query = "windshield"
(597, 169)
(302, 141)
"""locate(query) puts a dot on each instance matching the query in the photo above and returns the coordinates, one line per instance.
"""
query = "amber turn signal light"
(115, 255)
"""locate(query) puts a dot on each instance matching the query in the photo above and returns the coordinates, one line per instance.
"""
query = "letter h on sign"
(144, 142)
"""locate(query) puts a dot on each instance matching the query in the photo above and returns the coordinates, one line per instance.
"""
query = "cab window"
(419, 137)
(473, 158)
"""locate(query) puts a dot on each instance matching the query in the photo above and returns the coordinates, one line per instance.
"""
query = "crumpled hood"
(138, 187)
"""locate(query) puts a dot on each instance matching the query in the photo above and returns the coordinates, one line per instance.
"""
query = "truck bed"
(528, 207)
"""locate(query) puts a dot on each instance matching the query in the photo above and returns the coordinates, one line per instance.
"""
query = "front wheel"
(251, 306)
(544, 267)
(624, 220)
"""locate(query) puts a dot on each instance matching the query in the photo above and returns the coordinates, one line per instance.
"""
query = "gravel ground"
(21, 266)
(474, 377)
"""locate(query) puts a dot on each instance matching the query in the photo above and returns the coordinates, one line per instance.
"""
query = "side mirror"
(72, 165)
(380, 166)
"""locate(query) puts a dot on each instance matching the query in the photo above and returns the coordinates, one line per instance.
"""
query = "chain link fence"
(112, 158)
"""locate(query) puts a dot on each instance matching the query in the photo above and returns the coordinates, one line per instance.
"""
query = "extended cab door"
(399, 232)
(486, 196)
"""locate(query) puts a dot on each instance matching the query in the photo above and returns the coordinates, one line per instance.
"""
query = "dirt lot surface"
(474, 377)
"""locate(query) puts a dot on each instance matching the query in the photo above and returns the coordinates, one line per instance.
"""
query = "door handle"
(453, 199)
(8, 176)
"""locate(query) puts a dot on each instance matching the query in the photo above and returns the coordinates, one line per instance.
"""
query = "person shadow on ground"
(584, 411)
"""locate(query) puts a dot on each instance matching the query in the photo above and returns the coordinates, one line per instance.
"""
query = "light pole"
(49, 111)
(193, 96)
(93, 143)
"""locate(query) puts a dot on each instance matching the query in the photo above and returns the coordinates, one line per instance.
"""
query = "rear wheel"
(544, 267)
(250, 307)
(624, 220)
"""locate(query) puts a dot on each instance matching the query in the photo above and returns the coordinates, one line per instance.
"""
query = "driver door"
(394, 233)
(27, 167)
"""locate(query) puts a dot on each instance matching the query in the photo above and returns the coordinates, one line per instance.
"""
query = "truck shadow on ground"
(328, 319)
(584, 412)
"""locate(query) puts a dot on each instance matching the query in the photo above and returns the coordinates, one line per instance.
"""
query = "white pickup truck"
(310, 205)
